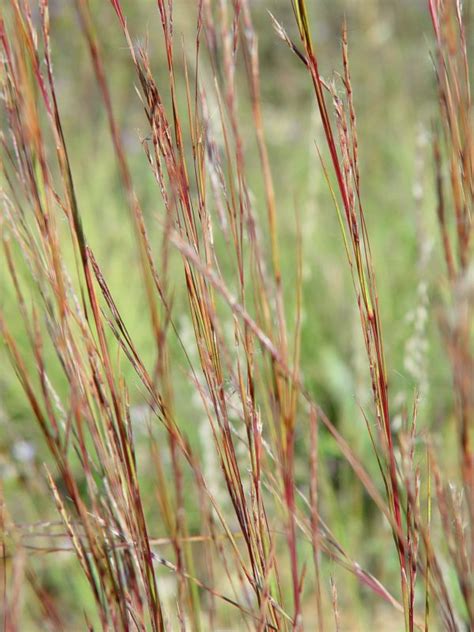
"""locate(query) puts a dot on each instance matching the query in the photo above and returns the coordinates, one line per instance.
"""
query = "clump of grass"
(453, 151)
(237, 545)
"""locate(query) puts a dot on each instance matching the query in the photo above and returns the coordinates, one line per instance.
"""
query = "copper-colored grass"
(245, 565)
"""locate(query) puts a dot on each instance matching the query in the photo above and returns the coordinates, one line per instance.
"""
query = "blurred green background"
(395, 98)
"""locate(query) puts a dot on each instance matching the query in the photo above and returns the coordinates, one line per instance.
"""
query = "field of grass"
(236, 291)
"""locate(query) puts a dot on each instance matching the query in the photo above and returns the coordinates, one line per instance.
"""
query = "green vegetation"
(236, 295)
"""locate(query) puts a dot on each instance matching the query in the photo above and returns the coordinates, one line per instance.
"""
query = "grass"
(195, 460)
